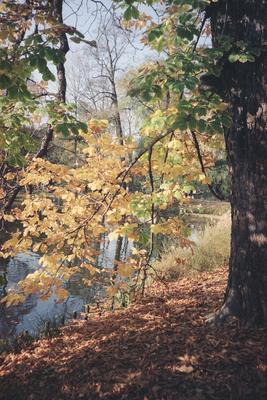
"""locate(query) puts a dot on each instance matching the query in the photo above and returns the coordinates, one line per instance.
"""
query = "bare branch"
(214, 191)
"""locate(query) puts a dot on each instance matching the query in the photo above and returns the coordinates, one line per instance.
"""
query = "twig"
(217, 194)
(199, 33)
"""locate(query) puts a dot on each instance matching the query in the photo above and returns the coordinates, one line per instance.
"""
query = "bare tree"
(95, 78)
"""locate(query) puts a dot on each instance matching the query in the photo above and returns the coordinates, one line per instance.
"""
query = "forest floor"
(158, 348)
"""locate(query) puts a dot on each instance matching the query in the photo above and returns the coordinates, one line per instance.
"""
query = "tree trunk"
(245, 88)
(64, 47)
(118, 249)
(61, 95)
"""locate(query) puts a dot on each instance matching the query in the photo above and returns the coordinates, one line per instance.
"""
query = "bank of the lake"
(33, 314)
(158, 348)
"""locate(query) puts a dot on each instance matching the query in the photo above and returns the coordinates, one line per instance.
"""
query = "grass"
(211, 250)
(211, 207)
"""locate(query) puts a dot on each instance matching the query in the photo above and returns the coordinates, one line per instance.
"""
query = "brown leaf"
(185, 369)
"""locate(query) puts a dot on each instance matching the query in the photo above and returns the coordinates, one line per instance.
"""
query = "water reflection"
(31, 314)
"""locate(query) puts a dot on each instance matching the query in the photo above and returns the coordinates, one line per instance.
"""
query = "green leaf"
(48, 76)
(192, 123)
(226, 120)
(131, 12)
(180, 124)
(76, 39)
(135, 12)
(201, 125)
(5, 82)
(62, 128)
(157, 90)
(154, 34)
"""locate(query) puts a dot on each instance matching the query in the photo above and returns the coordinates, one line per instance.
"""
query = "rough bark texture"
(245, 88)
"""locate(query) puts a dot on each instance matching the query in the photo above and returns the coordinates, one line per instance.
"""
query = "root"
(222, 316)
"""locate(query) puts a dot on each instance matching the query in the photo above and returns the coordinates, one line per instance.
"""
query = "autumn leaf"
(185, 369)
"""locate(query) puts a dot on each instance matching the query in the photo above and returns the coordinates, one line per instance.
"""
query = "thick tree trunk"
(245, 88)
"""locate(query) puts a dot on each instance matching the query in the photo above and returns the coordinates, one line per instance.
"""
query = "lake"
(32, 314)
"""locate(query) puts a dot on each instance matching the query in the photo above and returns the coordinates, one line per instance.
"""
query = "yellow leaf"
(113, 235)
(201, 177)
(44, 297)
(124, 270)
(12, 242)
(13, 299)
(62, 293)
(222, 106)
(206, 181)
(112, 290)
(96, 185)
(9, 176)
(158, 229)
(90, 268)
(8, 218)
(97, 125)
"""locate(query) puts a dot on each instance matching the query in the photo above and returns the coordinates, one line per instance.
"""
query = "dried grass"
(212, 250)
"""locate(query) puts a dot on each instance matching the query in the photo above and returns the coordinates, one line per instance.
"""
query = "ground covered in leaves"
(158, 348)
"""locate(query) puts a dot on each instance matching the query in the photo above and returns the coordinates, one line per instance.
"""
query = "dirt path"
(160, 348)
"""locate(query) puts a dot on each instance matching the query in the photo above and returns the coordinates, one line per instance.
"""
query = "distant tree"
(94, 81)
(33, 38)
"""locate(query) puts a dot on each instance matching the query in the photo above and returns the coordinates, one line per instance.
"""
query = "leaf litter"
(159, 348)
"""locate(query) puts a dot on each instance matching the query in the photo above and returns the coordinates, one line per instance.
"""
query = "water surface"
(32, 314)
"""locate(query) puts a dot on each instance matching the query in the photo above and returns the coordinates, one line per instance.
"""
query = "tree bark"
(42, 152)
(245, 88)
(64, 47)
(61, 95)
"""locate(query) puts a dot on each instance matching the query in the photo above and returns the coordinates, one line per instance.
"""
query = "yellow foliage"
(112, 290)
(13, 299)
(8, 217)
(72, 208)
(62, 294)
(125, 270)
(90, 268)
(97, 126)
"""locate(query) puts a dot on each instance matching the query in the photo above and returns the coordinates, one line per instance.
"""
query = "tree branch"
(153, 219)
(214, 191)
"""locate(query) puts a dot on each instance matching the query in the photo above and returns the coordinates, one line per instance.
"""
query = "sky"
(83, 15)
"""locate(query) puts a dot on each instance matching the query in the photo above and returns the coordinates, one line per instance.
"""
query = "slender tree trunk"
(245, 88)
(119, 134)
(61, 95)
(118, 250)
(117, 117)
(64, 47)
